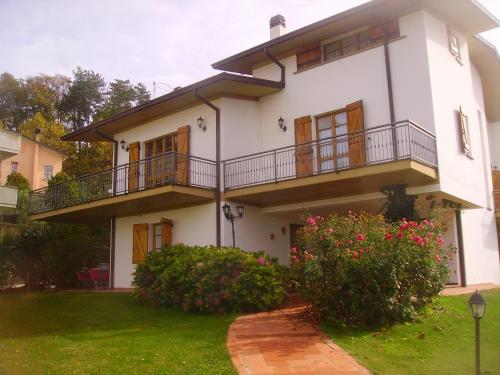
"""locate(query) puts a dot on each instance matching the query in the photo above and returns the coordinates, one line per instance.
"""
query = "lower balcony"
(162, 182)
(350, 164)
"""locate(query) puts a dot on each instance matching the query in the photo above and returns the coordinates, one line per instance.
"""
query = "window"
(160, 170)
(350, 44)
(13, 166)
(157, 237)
(47, 172)
(463, 122)
(333, 148)
(309, 58)
(454, 46)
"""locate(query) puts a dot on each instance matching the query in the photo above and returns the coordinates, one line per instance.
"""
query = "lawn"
(107, 333)
(442, 342)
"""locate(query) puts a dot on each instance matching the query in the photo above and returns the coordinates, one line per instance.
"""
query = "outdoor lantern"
(201, 123)
(477, 305)
(228, 214)
(124, 145)
(281, 123)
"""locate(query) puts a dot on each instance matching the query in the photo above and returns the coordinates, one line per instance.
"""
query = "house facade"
(35, 161)
(388, 96)
(10, 145)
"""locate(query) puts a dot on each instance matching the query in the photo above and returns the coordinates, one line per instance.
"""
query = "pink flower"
(295, 259)
(438, 259)
(400, 235)
(309, 256)
(293, 250)
(350, 242)
(419, 240)
(321, 238)
(440, 241)
(388, 236)
(361, 251)
(261, 260)
(311, 221)
(329, 230)
(355, 255)
(360, 237)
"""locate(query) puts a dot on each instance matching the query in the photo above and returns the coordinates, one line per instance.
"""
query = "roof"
(223, 84)
(485, 57)
(468, 15)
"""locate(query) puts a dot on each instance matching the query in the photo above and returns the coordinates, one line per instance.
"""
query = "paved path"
(283, 342)
(459, 290)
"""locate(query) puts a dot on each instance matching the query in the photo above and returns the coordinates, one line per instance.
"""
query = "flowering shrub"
(210, 279)
(362, 270)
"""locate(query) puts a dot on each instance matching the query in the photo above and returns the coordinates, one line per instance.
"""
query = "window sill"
(348, 55)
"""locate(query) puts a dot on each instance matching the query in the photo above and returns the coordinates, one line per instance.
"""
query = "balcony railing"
(167, 169)
(392, 142)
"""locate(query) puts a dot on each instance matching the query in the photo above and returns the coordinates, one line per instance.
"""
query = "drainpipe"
(460, 240)
(390, 94)
(217, 164)
(280, 65)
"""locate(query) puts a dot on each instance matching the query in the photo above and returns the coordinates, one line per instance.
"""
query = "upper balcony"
(162, 182)
(10, 144)
(360, 162)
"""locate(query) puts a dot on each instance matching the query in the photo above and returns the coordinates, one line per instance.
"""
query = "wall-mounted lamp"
(124, 145)
(201, 123)
(281, 124)
(228, 214)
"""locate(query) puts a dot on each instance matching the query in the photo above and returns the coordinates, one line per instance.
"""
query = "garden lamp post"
(477, 305)
(228, 214)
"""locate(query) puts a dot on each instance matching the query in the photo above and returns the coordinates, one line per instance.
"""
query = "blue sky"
(173, 42)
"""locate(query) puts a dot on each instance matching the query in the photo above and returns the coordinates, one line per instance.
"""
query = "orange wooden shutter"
(303, 153)
(140, 243)
(166, 232)
(309, 58)
(355, 124)
(182, 157)
(133, 172)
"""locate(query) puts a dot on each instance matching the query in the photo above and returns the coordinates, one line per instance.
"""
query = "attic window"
(348, 45)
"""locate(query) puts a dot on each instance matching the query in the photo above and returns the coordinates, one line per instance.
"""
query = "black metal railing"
(170, 168)
(397, 141)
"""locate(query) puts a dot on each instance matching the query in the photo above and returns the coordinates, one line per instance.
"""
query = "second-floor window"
(345, 46)
(47, 172)
(13, 166)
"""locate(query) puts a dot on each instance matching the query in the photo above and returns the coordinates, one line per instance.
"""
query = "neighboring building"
(36, 161)
(10, 145)
(390, 93)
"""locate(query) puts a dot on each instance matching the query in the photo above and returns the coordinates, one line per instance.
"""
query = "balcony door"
(304, 150)
(160, 160)
(340, 141)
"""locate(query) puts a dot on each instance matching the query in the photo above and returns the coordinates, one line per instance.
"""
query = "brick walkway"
(283, 342)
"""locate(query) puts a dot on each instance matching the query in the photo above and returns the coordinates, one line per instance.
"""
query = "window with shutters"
(157, 237)
(347, 45)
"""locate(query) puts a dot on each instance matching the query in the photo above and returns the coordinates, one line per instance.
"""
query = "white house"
(323, 118)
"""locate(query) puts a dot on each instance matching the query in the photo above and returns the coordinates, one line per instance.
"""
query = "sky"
(170, 42)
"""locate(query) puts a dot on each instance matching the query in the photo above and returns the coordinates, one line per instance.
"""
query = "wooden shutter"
(355, 124)
(166, 232)
(303, 153)
(182, 157)
(309, 58)
(133, 171)
(140, 243)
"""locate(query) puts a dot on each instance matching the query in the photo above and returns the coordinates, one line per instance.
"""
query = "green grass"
(105, 333)
(441, 343)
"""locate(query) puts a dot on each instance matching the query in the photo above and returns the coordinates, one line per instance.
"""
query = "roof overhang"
(468, 15)
(485, 58)
(223, 84)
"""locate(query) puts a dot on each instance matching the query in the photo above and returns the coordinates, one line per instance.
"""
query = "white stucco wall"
(192, 226)
(494, 142)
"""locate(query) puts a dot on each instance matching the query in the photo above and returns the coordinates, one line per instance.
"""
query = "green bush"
(210, 279)
(362, 270)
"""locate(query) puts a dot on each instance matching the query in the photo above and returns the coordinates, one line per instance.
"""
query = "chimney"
(37, 134)
(277, 26)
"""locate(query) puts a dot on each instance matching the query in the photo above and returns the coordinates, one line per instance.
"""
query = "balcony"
(162, 182)
(355, 163)
(10, 144)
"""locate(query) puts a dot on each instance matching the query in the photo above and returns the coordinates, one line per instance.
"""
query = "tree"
(12, 101)
(50, 133)
(122, 95)
(142, 94)
(84, 98)
(44, 95)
